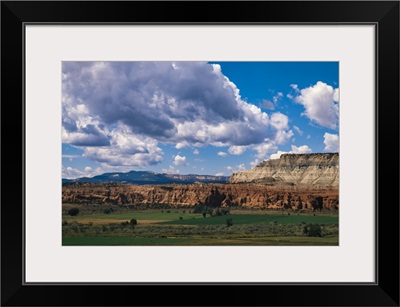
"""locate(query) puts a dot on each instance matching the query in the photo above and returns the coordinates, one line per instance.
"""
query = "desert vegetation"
(202, 225)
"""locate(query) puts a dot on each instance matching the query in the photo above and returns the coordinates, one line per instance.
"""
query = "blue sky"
(194, 117)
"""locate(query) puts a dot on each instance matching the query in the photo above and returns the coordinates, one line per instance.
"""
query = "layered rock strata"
(303, 170)
(213, 195)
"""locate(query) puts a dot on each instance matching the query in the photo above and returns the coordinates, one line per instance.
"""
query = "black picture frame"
(383, 14)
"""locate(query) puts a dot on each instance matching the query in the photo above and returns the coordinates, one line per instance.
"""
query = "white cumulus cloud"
(181, 103)
(331, 142)
(72, 173)
(182, 144)
(264, 149)
(321, 104)
(222, 154)
(304, 149)
(277, 155)
(283, 136)
(277, 97)
(236, 150)
(180, 161)
(279, 121)
(125, 149)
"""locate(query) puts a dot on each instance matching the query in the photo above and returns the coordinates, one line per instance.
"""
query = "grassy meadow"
(185, 227)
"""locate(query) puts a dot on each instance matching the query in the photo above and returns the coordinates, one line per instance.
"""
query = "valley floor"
(183, 227)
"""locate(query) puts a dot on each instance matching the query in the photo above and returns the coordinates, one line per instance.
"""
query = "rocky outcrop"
(309, 170)
(213, 195)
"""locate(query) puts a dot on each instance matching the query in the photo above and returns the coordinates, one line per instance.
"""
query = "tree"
(73, 211)
(107, 210)
(133, 222)
(312, 230)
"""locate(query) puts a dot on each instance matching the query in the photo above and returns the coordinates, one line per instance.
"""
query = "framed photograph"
(238, 146)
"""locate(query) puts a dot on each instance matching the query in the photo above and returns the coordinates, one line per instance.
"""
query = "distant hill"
(145, 177)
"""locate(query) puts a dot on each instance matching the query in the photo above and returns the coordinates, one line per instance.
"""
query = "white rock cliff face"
(312, 170)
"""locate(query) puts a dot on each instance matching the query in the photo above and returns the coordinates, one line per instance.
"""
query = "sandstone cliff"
(312, 170)
(213, 195)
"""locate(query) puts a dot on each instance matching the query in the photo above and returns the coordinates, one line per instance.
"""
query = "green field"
(239, 219)
(265, 241)
(198, 219)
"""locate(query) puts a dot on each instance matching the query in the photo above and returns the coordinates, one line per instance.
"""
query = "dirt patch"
(69, 206)
(95, 221)
(151, 221)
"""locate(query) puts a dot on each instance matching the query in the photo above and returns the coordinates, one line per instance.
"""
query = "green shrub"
(312, 230)
(75, 227)
(229, 222)
(107, 210)
(73, 211)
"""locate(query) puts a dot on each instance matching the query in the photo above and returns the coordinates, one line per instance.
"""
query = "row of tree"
(204, 210)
